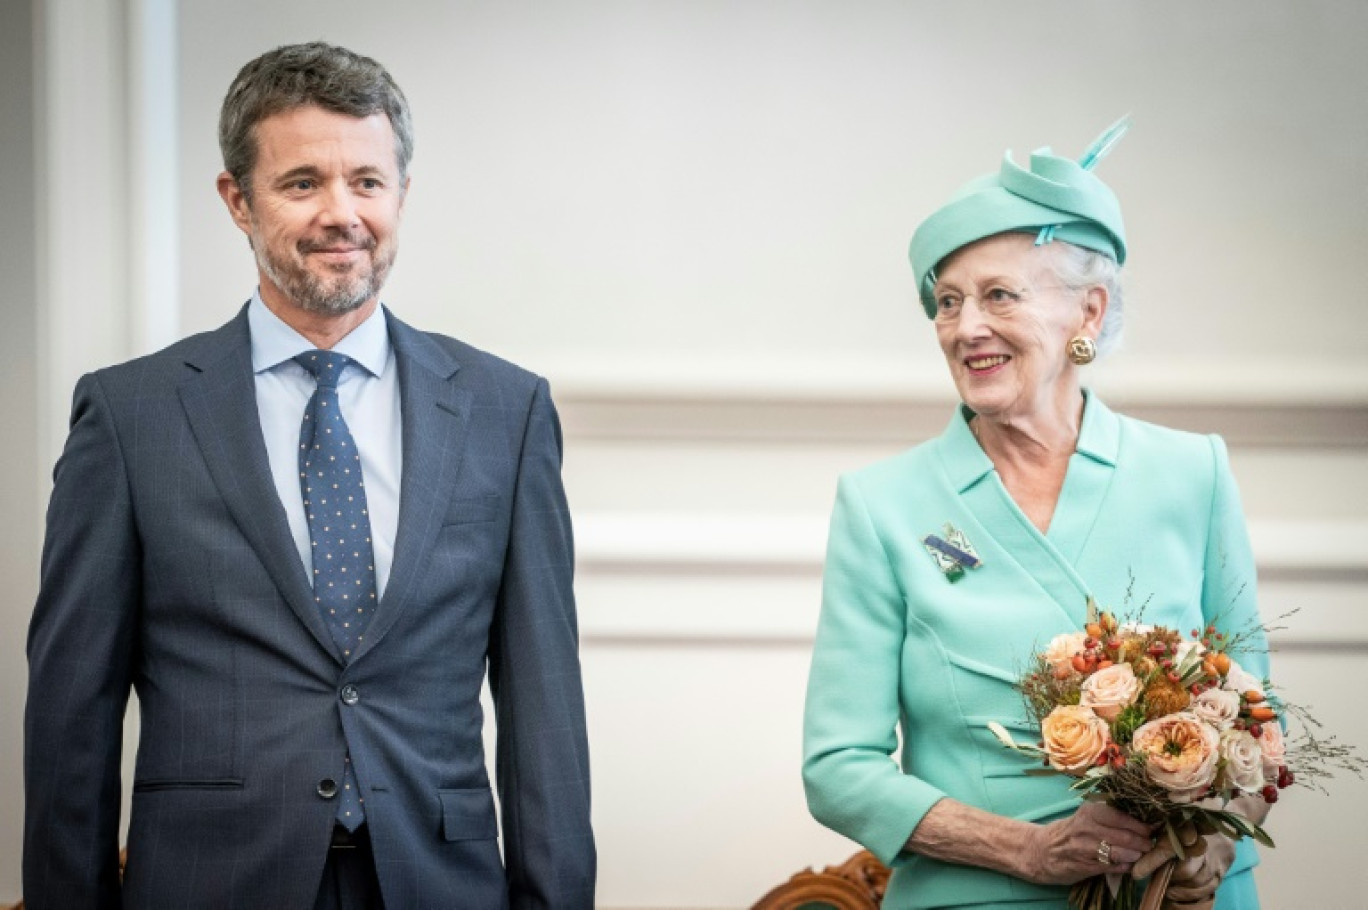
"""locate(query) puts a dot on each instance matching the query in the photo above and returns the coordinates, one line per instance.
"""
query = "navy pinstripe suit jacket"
(168, 567)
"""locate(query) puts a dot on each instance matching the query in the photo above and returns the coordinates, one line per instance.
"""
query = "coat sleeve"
(542, 762)
(853, 784)
(1229, 585)
(80, 654)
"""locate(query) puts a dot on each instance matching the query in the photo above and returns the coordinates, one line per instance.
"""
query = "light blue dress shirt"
(369, 396)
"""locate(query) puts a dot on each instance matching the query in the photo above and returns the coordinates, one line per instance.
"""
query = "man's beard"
(334, 294)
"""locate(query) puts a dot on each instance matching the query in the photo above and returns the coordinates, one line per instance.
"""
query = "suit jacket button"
(327, 788)
(350, 695)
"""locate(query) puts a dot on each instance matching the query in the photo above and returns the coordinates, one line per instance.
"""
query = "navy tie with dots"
(339, 529)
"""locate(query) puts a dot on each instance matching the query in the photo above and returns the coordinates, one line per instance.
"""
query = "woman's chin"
(983, 401)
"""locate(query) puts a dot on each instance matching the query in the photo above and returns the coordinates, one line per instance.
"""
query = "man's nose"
(339, 207)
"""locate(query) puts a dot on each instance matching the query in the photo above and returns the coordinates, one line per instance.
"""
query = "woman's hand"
(1195, 879)
(1095, 840)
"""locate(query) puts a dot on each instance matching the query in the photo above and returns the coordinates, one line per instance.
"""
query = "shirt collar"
(274, 342)
(1099, 438)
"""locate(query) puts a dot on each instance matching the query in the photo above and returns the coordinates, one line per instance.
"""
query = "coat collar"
(1049, 559)
(436, 416)
(219, 398)
(1099, 437)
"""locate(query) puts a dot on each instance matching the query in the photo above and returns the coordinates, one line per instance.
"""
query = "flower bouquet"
(1167, 728)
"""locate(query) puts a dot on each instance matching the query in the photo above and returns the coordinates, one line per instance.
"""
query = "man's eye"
(370, 183)
(948, 302)
(303, 183)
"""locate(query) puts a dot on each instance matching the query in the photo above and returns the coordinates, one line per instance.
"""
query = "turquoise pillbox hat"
(1059, 198)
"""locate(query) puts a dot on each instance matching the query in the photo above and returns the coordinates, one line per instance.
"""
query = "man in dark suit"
(303, 538)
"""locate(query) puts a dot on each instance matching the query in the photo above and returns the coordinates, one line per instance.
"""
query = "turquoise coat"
(1148, 517)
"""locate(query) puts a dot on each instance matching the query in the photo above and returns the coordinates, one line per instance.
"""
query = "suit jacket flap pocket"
(468, 814)
(464, 509)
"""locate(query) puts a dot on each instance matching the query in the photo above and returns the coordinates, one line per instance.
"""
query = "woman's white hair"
(1079, 268)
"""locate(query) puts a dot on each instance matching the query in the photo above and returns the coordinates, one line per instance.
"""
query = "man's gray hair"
(299, 75)
(1079, 268)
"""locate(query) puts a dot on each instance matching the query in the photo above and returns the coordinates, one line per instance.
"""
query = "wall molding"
(666, 542)
(1278, 404)
(743, 416)
(627, 562)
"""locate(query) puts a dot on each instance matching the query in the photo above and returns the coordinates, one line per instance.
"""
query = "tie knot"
(326, 366)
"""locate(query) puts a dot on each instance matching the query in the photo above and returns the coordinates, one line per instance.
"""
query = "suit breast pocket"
(472, 509)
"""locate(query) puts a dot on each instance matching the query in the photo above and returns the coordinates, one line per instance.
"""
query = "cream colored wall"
(693, 218)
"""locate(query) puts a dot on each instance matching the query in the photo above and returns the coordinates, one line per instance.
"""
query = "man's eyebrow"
(304, 170)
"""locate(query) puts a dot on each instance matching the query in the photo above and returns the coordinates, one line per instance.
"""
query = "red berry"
(1173, 677)
(1196, 633)
(1255, 730)
(1270, 794)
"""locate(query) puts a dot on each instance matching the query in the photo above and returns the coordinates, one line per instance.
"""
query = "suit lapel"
(971, 474)
(435, 412)
(220, 403)
(1091, 469)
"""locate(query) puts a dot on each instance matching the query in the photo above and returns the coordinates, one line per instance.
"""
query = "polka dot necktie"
(339, 529)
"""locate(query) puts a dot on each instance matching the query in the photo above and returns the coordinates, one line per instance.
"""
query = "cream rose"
(1237, 679)
(1218, 707)
(1180, 753)
(1274, 750)
(1074, 737)
(1109, 690)
(1244, 767)
(1060, 653)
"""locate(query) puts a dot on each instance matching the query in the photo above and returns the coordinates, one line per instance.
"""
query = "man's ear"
(236, 200)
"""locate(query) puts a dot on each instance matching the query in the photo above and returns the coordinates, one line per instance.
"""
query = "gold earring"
(1082, 350)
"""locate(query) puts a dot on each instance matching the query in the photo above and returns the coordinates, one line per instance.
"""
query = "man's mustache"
(337, 239)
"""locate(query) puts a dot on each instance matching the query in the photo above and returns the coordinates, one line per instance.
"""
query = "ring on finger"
(1104, 850)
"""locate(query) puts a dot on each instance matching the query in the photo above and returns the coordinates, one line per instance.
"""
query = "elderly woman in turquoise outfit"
(1059, 499)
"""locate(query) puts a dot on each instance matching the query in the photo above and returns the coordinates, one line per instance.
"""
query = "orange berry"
(1254, 696)
(1262, 714)
(1093, 629)
(1221, 661)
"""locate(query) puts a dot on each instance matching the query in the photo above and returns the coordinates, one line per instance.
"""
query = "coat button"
(327, 788)
(350, 695)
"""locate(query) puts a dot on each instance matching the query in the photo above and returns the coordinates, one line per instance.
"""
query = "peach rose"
(1074, 737)
(1244, 767)
(1109, 690)
(1274, 750)
(1180, 753)
(1062, 648)
(1218, 707)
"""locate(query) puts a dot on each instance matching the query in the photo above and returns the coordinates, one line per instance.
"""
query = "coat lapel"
(1091, 469)
(220, 404)
(435, 413)
(972, 476)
